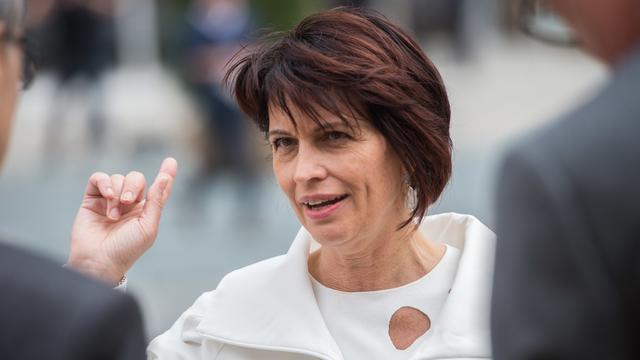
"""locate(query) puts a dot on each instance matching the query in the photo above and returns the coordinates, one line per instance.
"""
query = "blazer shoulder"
(45, 306)
(251, 273)
(31, 278)
(602, 124)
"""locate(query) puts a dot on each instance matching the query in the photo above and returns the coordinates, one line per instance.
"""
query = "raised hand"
(116, 223)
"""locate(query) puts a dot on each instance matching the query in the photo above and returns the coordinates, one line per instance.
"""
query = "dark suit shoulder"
(26, 274)
(50, 311)
(592, 153)
(602, 129)
(570, 190)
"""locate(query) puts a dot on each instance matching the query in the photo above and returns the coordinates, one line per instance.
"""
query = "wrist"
(106, 274)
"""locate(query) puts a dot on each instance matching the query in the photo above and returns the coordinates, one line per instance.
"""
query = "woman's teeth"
(320, 203)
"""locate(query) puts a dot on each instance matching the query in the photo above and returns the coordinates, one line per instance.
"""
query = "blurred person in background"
(46, 311)
(567, 278)
(447, 17)
(216, 30)
(358, 121)
(77, 41)
(354, 3)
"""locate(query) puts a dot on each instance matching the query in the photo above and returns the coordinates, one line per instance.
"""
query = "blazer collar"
(462, 329)
(271, 304)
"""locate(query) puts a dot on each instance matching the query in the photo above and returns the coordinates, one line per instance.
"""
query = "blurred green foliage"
(171, 27)
(269, 14)
(284, 14)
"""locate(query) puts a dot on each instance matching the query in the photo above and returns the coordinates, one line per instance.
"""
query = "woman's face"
(344, 185)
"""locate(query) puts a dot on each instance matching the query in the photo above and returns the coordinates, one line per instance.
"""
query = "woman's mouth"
(316, 204)
(320, 209)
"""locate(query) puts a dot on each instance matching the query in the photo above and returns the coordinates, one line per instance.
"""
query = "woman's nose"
(309, 165)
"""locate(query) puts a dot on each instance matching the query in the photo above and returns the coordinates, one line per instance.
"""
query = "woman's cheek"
(285, 182)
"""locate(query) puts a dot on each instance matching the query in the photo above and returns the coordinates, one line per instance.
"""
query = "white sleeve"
(182, 340)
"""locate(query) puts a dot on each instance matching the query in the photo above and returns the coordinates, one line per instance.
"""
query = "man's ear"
(3, 33)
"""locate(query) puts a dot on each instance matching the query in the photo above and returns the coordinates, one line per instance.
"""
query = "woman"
(358, 121)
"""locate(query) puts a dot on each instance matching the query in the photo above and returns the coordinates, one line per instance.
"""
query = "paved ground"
(507, 88)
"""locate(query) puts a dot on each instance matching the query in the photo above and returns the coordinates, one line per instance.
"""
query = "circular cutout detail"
(406, 325)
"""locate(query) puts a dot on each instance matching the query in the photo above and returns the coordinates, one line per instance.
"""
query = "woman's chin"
(332, 226)
(328, 235)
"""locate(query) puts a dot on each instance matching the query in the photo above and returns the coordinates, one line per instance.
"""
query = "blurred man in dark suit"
(567, 278)
(46, 311)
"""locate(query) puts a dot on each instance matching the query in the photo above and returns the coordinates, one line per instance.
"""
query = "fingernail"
(128, 196)
(114, 213)
(109, 192)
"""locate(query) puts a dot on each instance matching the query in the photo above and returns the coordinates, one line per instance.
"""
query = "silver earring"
(412, 195)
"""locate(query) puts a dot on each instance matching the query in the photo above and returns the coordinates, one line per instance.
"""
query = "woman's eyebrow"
(277, 132)
(330, 125)
(326, 126)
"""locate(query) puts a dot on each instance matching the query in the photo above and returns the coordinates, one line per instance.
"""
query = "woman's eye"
(283, 142)
(337, 136)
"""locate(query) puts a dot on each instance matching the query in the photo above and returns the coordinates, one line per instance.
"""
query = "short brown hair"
(358, 58)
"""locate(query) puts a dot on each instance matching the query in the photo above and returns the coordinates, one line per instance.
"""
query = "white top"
(359, 321)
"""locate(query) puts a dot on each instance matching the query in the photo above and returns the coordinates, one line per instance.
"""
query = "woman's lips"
(323, 212)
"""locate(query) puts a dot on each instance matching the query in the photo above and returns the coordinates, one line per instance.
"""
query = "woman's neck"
(384, 263)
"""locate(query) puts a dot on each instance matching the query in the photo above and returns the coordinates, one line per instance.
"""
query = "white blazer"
(268, 310)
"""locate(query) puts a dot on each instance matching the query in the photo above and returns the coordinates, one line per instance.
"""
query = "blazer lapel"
(271, 305)
(463, 326)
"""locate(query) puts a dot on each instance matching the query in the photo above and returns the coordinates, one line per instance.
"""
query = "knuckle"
(135, 175)
(98, 176)
(156, 202)
(135, 181)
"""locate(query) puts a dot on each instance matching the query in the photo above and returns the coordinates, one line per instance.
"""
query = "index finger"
(169, 166)
(168, 171)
